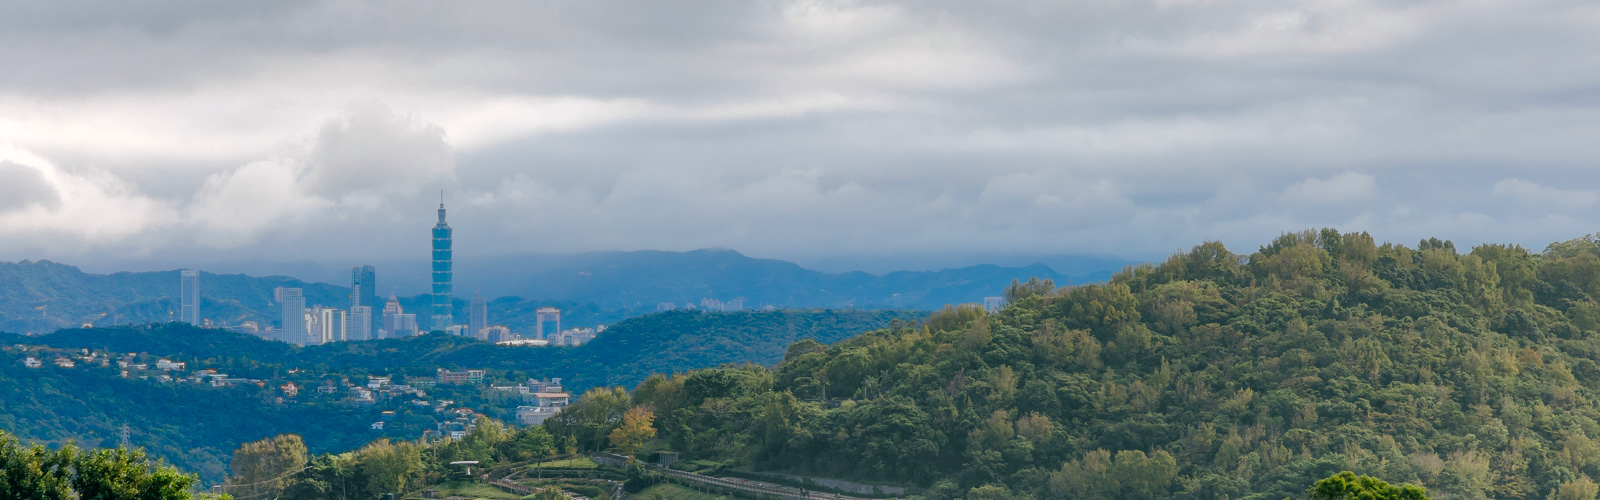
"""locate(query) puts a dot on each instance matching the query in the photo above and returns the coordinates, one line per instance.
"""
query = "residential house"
(165, 364)
(32, 362)
(65, 362)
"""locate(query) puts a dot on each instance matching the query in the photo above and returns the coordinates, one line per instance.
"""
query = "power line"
(279, 478)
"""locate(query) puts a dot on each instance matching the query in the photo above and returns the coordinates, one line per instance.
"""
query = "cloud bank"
(325, 131)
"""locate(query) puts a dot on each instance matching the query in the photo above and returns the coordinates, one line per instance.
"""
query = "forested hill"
(196, 427)
(1211, 375)
(624, 354)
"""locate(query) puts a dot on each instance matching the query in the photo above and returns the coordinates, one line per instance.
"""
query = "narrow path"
(775, 490)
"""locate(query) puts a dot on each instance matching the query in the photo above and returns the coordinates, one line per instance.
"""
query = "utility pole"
(126, 443)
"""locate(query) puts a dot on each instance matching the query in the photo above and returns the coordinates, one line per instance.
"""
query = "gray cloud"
(321, 131)
(25, 187)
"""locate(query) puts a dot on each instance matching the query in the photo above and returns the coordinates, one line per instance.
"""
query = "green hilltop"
(1211, 375)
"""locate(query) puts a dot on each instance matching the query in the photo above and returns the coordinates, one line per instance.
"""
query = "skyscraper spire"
(442, 272)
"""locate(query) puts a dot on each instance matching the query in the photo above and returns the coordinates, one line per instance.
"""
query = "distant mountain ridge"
(645, 278)
(591, 288)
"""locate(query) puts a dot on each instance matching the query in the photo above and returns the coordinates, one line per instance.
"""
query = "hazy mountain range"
(591, 288)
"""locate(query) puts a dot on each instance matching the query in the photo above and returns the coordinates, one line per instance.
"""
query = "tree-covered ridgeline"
(90, 403)
(1210, 375)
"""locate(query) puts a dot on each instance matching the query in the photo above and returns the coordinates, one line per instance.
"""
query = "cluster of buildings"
(537, 399)
(542, 399)
(369, 319)
(133, 366)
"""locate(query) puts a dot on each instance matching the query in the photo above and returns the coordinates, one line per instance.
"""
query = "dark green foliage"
(1211, 375)
(90, 404)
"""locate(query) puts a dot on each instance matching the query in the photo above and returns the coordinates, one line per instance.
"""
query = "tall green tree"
(267, 467)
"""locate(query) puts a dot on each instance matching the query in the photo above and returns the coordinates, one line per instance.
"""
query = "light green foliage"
(1348, 486)
(33, 472)
(266, 467)
(634, 430)
(1581, 488)
(590, 420)
(390, 467)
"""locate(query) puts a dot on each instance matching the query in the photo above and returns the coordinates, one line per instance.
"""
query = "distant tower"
(477, 316)
(361, 323)
(547, 321)
(293, 302)
(391, 317)
(441, 272)
(364, 287)
(189, 296)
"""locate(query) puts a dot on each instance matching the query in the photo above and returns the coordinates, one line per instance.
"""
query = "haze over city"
(843, 135)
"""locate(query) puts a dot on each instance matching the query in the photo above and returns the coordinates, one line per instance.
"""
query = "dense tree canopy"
(71, 473)
(1210, 375)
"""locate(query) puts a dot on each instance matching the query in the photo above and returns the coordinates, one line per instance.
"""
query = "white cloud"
(85, 207)
(1534, 194)
(1340, 188)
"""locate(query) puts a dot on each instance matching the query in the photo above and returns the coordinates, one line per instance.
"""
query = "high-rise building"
(331, 325)
(364, 287)
(361, 323)
(547, 322)
(405, 325)
(391, 314)
(189, 296)
(442, 296)
(293, 303)
(477, 316)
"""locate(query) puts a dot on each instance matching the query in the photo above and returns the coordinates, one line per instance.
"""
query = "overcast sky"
(813, 130)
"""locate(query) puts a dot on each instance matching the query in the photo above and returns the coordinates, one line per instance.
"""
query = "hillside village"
(443, 406)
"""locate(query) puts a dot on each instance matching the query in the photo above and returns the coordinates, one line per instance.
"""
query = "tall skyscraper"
(442, 296)
(477, 316)
(364, 287)
(189, 296)
(391, 315)
(547, 321)
(293, 303)
(361, 323)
